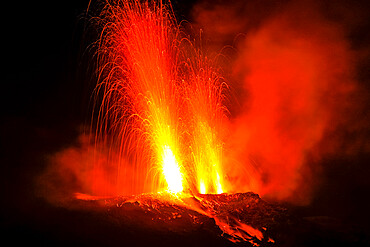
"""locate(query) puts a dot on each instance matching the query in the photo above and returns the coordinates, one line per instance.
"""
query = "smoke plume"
(295, 68)
(87, 167)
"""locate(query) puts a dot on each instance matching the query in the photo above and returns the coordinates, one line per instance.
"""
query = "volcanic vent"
(162, 103)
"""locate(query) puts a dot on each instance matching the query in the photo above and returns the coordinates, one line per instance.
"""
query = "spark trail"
(162, 102)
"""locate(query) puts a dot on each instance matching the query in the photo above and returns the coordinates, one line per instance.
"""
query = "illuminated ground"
(148, 220)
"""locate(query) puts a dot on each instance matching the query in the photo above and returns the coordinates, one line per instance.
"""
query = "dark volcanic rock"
(161, 219)
(226, 219)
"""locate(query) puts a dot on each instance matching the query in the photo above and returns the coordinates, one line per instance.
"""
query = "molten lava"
(162, 106)
(171, 171)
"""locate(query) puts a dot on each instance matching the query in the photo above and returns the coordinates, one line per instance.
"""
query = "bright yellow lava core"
(171, 170)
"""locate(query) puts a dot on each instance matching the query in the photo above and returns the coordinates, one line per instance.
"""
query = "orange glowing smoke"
(161, 111)
(294, 74)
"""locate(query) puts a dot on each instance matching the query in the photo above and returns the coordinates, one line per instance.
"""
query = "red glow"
(162, 102)
(298, 77)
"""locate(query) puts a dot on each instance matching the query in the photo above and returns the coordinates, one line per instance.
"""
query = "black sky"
(42, 102)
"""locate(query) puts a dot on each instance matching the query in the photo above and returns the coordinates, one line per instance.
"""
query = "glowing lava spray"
(161, 101)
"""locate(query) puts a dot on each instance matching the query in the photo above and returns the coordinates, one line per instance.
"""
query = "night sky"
(42, 103)
(48, 77)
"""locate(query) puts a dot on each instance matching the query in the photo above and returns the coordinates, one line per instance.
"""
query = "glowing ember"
(161, 110)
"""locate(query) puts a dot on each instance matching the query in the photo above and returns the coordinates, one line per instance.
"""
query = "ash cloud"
(296, 68)
(87, 168)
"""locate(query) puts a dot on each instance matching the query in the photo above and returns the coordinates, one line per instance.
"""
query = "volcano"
(166, 162)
